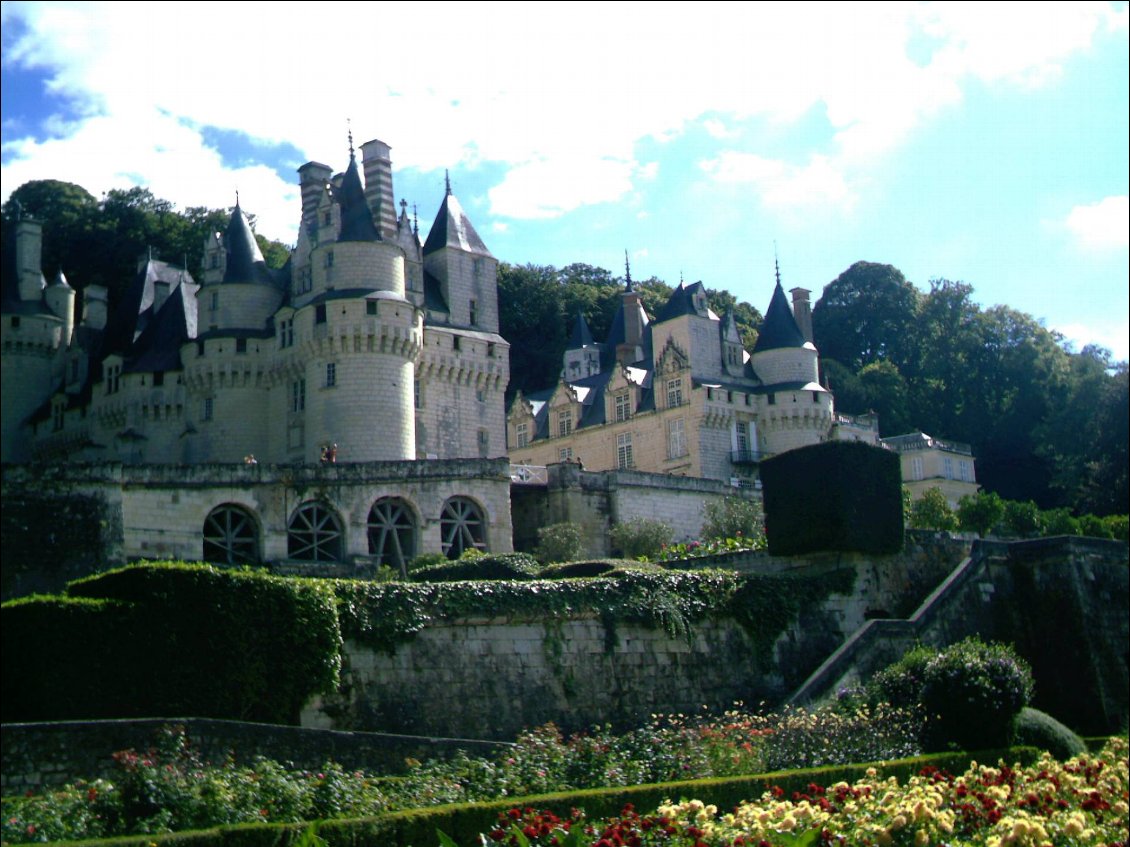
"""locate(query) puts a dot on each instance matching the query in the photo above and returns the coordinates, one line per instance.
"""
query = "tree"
(931, 511)
(732, 517)
(980, 512)
(865, 315)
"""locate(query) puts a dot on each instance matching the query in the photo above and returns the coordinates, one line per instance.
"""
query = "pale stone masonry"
(367, 347)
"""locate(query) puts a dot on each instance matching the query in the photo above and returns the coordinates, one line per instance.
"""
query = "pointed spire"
(60, 279)
(779, 329)
(356, 216)
(415, 220)
(776, 263)
(349, 135)
(627, 272)
(244, 259)
(446, 182)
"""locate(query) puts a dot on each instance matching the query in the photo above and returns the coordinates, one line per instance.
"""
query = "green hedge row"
(171, 639)
(840, 495)
(463, 822)
(196, 640)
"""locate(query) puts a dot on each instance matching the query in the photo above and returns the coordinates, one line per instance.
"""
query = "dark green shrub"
(640, 537)
(1094, 527)
(1059, 522)
(502, 566)
(1022, 520)
(560, 542)
(901, 683)
(971, 692)
(1118, 526)
(1033, 728)
(839, 495)
(427, 560)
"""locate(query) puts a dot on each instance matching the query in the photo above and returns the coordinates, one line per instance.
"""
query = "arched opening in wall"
(392, 533)
(314, 535)
(462, 527)
(231, 536)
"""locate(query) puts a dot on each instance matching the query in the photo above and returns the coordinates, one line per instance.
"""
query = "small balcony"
(748, 457)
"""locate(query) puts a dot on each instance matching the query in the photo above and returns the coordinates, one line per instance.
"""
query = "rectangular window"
(565, 454)
(214, 303)
(743, 437)
(772, 399)
(522, 435)
(474, 312)
(916, 468)
(623, 405)
(674, 392)
(455, 342)
(624, 451)
(947, 467)
(484, 443)
(490, 349)
(241, 345)
(57, 416)
(815, 396)
(370, 307)
(417, 397)
(676, 438)
(564, 423)
(331, 374)
(158, 379)
(966, 472)
(298, 395)
(209, 408)
(329, 258)
(286, 332)
(320, 313)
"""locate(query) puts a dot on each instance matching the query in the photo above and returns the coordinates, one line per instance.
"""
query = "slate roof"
(582, 335)
(158, 346)
(135, 310)
(779, 329)
(245, 261)
(452, 228)
(356, 217)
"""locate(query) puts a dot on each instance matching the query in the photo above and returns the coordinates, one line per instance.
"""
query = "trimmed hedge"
(840, 495)
(463, 822)
(503, 566)
(171, 639)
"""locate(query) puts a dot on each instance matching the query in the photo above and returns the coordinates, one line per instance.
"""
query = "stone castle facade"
(368, 347)
(681, 395)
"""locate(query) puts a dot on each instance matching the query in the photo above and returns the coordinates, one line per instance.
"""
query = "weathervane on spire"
(415, 221)
(447, 181)
(776, 263)
(627, 271)
(349, 133)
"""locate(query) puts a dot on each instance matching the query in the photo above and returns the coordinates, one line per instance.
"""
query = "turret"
(60, 299)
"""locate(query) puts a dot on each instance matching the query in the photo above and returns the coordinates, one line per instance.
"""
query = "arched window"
(392, 533)
(231, 536)
(461, 527)
(314, 535)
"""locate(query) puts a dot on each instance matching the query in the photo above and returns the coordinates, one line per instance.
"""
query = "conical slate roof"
(245, 259)
(582, 335)
(452, 228)
(779, 328)
(356, 217)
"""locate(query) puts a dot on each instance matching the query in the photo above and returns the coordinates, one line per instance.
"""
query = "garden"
(883, 764)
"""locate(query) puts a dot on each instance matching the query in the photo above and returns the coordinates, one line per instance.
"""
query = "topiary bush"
(1033, 728)
(560, 542)
(520, 566)
(972, 691)
(587, 568)
(901, 683)
(640, 537)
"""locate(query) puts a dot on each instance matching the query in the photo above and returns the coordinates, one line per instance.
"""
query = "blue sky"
(976, 142)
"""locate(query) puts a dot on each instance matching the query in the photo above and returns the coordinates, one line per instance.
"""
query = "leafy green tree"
(1022, 519)
(931, 511)
(640, 537)
(980, 512)
(866, 315)
(1059, 522)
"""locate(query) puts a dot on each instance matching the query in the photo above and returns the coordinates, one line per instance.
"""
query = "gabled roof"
(356, 217)
(452, 228)
(135, 309)
(681, 302)
(158, 346)
(245, 261)
(779, 328)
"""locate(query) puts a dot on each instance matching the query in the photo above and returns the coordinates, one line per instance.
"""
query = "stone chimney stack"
(312, 179)
(378, 186)
(94, 307)
(29, 255)
(802, 312)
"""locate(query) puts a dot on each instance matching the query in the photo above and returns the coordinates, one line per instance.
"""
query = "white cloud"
(784, 186)
(1102, 225)
(1113, 334)
(548, 90)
